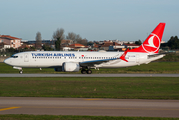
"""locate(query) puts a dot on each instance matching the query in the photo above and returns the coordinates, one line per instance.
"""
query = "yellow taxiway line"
(9, 108)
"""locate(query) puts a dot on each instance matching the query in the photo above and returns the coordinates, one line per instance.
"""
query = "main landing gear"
(88, 71)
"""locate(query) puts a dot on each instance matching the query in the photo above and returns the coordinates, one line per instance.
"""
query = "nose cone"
(7, 61)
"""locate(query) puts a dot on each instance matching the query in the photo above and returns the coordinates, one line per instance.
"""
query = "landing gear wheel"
(83, 71)
(88, 71)
(20, 72)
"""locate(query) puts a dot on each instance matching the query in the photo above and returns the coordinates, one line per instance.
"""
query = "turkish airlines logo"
(152, 44)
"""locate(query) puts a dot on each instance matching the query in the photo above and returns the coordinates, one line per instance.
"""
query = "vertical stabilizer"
(152, 43)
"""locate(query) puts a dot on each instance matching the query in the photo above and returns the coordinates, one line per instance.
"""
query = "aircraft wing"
(93, 62)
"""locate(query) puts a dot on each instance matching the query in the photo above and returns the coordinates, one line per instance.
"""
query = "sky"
(125, 20)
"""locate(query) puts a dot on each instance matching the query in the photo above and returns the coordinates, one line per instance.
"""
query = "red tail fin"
(152, 43)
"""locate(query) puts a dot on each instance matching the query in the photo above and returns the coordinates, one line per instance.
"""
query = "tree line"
(173, 43)
(58, 36)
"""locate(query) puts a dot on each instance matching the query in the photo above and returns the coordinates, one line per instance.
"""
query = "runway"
(89, 75)
(89, 106)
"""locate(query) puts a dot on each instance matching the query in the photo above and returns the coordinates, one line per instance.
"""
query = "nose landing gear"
(20, 71)
(19, 68)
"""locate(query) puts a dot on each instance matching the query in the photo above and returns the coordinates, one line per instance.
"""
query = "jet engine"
(70, 67)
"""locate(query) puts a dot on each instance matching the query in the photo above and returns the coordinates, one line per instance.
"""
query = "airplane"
(74, 61)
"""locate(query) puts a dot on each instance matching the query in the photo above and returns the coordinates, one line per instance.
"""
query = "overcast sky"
(125, 20)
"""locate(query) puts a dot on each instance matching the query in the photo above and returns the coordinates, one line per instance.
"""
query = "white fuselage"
(57, 58)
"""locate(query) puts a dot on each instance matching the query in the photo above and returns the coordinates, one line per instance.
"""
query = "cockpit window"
(14, 56)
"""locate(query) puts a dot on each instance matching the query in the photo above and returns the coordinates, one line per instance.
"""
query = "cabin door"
(26, 57)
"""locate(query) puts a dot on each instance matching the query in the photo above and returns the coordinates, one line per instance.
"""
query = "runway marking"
(92, 99)
(9, 108)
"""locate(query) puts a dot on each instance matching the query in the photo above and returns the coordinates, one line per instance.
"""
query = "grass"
(120, 88)
(70, 117)
(170, 57)
(154, 67)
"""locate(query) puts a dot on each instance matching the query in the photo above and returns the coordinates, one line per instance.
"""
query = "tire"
(20, 72)
(88, 71)
(83, 71)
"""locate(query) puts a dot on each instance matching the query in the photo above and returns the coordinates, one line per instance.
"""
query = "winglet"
(124, 55)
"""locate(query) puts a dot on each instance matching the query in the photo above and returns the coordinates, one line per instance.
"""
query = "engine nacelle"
(70, 67)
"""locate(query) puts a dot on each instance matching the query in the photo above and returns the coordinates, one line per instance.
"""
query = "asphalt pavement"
(89, 106)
